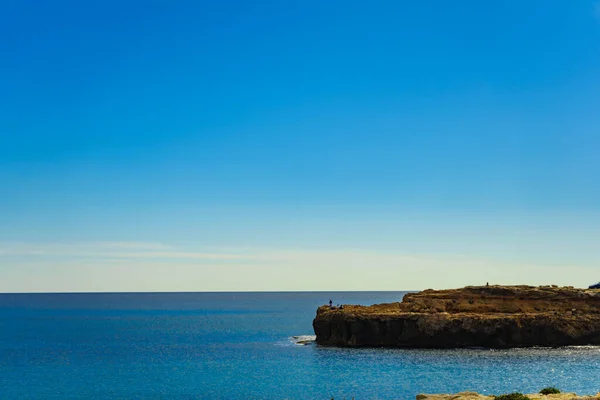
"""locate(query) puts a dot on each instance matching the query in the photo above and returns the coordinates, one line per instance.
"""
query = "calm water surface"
(240, 346)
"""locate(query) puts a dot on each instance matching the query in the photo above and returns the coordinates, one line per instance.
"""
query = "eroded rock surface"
(482, 316)
(477, 396)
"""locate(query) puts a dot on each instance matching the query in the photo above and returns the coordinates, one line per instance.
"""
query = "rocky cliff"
(482, 316)
(477, 396)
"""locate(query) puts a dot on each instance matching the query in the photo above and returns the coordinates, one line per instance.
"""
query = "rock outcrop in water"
(477, 396)
(482, 316)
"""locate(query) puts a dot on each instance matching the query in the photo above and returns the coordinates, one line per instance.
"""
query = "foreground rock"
(476, 396)
(482, 316)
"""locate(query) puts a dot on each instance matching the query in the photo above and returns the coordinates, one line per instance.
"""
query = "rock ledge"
(477, 396)
(474, 316)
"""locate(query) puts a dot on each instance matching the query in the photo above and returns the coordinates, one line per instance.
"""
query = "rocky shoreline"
(474, 316)
(477, 396)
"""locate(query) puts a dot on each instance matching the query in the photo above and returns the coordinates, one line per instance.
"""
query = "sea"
(242, 346)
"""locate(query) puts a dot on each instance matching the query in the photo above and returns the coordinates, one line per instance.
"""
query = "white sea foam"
(300, 340)
(303, 340)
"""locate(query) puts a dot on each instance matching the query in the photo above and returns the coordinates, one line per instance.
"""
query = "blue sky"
(298, 145)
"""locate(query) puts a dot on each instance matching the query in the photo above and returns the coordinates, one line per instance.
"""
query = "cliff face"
(491, 317)
(476, 396)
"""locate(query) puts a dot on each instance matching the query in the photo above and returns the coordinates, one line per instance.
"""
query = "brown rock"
(483, 316)
(457, 396)
(476, 396)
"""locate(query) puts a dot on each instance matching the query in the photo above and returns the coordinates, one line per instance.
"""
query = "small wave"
(300, 340)
(303, 340)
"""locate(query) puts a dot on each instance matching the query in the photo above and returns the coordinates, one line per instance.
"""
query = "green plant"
(512, 396)
(549, 390)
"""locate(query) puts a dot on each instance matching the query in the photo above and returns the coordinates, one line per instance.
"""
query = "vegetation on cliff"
(512, 396)
(549, 390)
(554, 394)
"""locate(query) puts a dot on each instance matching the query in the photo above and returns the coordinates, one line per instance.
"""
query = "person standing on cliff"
(330, 303)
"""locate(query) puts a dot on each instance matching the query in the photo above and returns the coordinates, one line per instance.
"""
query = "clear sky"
(298, 145)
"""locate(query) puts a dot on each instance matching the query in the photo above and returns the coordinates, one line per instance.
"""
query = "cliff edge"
(474, 316)
(477, 396)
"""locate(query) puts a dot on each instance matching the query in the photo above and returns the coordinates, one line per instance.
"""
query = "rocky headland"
(474, 316)
(477, 396)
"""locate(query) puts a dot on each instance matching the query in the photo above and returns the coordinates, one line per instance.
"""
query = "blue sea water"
(241, 346)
